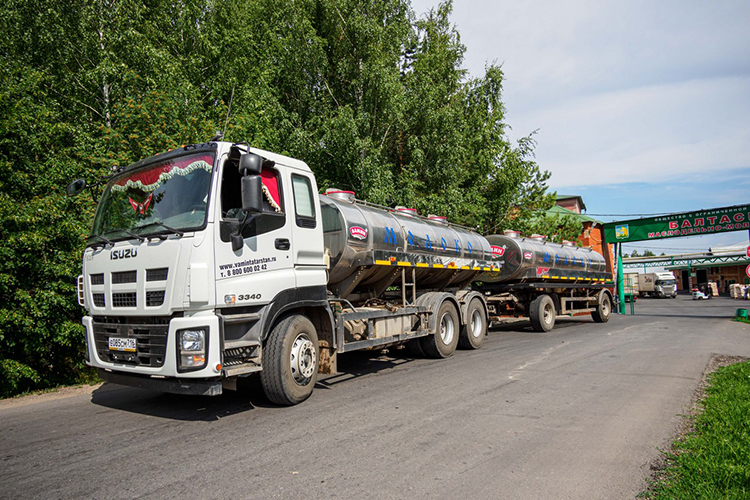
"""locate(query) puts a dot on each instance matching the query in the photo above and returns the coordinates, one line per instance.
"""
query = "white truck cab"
(176, 298)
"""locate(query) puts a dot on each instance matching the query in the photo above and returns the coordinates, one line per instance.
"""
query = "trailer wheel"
(603, 308)
(443, 342)
(473, 332)
(290, 361)
(542, 313)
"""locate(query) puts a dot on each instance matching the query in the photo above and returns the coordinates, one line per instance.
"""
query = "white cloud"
(648, 134)
(620, 91)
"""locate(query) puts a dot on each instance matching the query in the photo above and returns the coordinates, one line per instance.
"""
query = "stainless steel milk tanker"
(366, 244)
(537, 260)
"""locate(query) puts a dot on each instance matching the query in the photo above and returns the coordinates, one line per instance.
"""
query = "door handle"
(282, 244)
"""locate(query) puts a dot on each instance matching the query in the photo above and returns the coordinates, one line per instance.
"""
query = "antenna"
(229, 110)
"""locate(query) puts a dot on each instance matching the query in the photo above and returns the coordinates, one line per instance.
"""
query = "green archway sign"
(713, 221)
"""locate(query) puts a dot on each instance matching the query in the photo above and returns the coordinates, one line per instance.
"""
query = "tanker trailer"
(386, 267)
(541, 280)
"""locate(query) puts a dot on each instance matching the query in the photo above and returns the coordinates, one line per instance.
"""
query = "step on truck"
(215, 261)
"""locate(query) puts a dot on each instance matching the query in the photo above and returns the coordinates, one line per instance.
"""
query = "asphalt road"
(579, 412)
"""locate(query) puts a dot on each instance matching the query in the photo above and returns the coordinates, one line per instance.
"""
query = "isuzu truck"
(215, 261)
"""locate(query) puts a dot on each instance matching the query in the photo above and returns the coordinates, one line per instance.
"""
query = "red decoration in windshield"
(151, 178)
(140, 208)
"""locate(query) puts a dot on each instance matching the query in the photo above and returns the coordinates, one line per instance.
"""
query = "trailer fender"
(432, 301)
(464, 297)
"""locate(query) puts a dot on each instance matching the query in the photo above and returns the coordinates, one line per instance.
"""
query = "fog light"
(192, 346)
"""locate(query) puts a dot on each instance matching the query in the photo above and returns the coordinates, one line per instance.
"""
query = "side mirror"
(76, 187)
(250, 164)
(252, 194)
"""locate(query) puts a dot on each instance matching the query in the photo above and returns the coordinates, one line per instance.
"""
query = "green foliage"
(714, 460)
(372, 98)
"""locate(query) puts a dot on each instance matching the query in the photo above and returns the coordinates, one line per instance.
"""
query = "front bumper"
(166, 367)
(174, 386)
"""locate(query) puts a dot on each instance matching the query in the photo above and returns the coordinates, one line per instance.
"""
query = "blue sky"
(640, 107)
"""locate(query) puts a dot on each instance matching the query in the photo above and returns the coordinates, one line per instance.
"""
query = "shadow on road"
(358, 364)
(248, 396)
(180, 407)
(525, 325)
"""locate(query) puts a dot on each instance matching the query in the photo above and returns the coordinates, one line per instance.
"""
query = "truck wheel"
(603, 309)
(290, 361)
(414, 347)
(542, 313)
(473, 332)
(443, 342)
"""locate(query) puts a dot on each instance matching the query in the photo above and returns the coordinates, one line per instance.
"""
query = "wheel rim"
(476, 324)
(547, 314)
(303, 359)
(605, 306)
(447, 329)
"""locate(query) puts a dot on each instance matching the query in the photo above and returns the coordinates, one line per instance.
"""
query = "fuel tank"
(537, 260)
(366, 244)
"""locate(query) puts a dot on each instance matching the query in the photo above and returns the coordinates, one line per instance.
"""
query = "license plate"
(121, 344)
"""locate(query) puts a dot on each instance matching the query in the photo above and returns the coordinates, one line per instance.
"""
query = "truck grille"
(151, 340)
(155, 298)
(157, 274)
(126, 299)
(98, 299)
(97, 279)
(125, 277)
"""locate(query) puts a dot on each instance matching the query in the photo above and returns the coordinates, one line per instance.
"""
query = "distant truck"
(630, 283)
(659, 285)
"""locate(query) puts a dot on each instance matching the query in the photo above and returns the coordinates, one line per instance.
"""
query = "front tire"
(542, 313)
(473, 332)
(603, 309)
(443, 342)
(290, 361)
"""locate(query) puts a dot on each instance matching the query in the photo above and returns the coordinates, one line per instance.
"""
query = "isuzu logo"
(123, 254)
(357, 232)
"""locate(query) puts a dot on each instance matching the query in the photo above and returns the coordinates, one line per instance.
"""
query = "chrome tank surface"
(373, 242)
(535, 260)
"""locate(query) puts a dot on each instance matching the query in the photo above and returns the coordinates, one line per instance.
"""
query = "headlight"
(192, 349)
(193, 340)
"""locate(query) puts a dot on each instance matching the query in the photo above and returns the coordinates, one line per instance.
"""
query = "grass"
(712, 461)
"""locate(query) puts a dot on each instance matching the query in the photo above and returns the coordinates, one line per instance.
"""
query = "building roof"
(561, 197)
(558, 210)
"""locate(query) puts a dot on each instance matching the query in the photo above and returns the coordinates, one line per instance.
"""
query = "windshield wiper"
(132, 234)
(158, 223)
(104, 241)
(129, 233)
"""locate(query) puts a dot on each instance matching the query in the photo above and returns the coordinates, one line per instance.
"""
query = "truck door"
(307, 233)
(263, 267)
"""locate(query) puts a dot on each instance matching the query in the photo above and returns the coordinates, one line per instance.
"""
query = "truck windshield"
(164, 196)
(666, 282)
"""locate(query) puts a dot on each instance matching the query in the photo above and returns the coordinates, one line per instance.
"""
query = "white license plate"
(121, 344)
